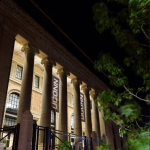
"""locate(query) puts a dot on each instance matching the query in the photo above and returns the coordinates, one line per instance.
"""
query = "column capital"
(85, 88)
(48, 61)
(76, 80)
(92, 93)
(63, 71)
(29, 47)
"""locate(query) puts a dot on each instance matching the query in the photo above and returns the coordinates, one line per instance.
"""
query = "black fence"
(13, 130)
(51, 139)
(46, 138)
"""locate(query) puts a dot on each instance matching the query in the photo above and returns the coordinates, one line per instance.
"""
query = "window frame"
(73, 122)
(38, 81)
(9, 117)
(10, 101)
(17, 72)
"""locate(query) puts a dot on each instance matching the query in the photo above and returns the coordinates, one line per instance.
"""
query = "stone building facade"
(29, 59)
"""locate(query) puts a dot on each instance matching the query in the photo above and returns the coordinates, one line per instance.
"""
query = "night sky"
(75, 19)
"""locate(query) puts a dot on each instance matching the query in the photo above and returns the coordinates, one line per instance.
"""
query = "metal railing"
(11, 130)
(50, 134)
(49, 139)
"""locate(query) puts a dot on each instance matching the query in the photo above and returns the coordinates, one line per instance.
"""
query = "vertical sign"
(55, 93)
(82, 107)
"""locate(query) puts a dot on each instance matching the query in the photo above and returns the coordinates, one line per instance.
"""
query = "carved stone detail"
(29, 47)
(63, 71)
(85, 88)
(76, 80)
(48, 61)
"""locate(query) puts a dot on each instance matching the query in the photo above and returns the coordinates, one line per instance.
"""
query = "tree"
(130, 27)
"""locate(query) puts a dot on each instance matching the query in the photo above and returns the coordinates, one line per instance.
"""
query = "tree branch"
(139, 25)
(139, 43)
(119, 124)
(145, 116)
(133, 40)
(145, 33)
(137, 124)
(137, 92)
(135, 95)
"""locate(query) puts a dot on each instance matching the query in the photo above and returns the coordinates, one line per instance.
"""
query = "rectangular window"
(19, 72)
(9, 121)
(36, 84)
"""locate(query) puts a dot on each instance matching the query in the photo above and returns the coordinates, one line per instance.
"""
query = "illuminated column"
(77, 106)
(46, 93)
(45, 119)
(88, 124)
(96, 126)
(27, 77)
(62, 120)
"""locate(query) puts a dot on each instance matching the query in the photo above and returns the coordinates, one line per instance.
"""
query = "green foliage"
(126, 25)
(104, 146)
(135, 14)
(139, 139)
(131, 110)
(65, 146)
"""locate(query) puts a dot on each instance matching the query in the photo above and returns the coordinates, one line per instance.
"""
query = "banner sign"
(82, 107)
(55, 93)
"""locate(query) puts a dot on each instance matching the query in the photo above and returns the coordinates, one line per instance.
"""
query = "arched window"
(52, 116)
(72, 122)
(12, 103)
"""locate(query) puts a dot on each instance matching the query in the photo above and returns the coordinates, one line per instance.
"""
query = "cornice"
(47, 42)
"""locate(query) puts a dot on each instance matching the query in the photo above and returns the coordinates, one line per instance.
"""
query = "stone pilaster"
(25, 133)
(117, 137)
(101, 122)
(62, 120)
(27, 77)
(109, 133)
(96, 126)
(124, 142)
(88, 124)
(7, 39)
(77, 106)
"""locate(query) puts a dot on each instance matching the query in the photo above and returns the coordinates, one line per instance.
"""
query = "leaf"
(113, 115)
(105, 118)
(116, 103)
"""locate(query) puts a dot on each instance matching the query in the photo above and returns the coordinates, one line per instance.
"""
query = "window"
(19, 72)
(72, 122)
(9, 121)
(12, 102)
(52, 117)
(36, 84)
